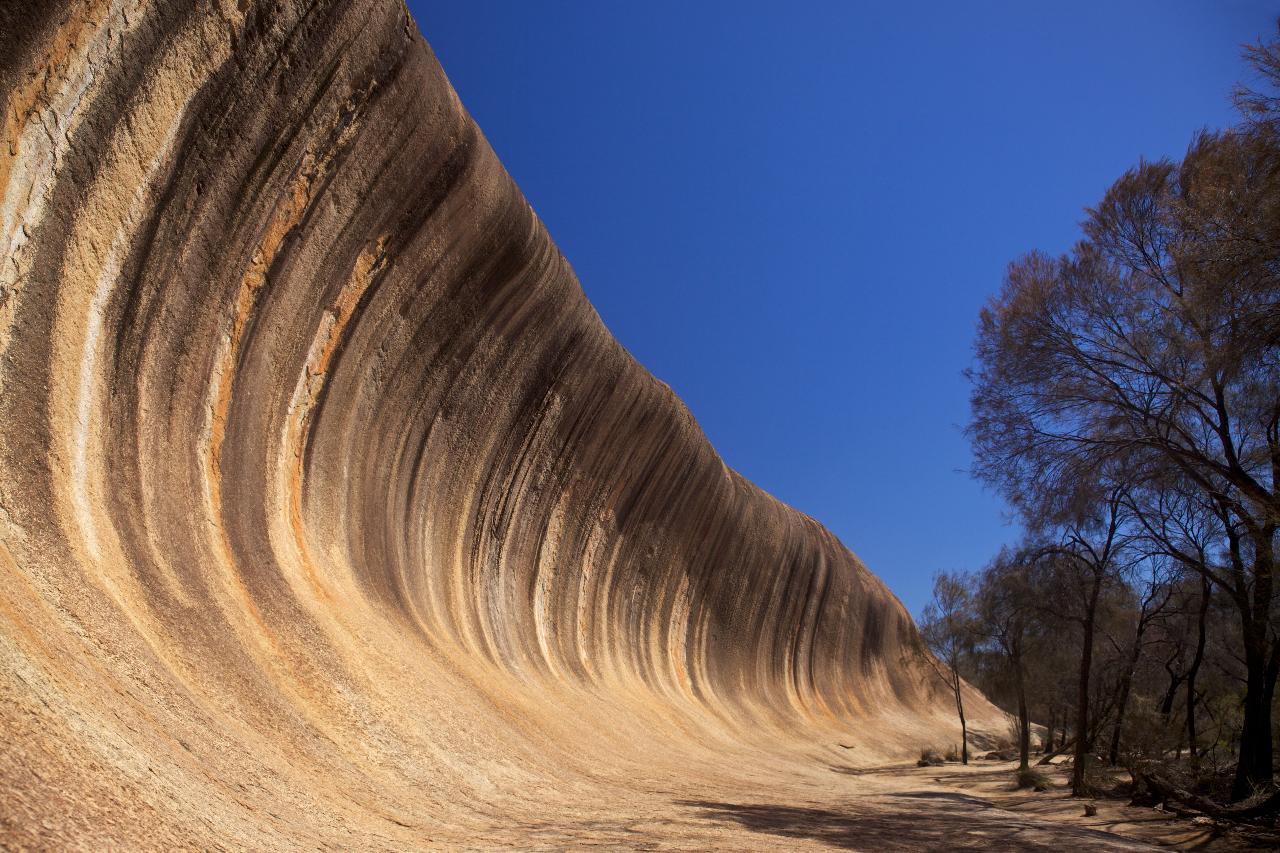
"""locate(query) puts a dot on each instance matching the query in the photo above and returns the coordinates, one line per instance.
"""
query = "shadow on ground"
(915, 820)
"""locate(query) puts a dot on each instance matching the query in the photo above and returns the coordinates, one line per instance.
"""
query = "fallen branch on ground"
(1265, 805)
(1049, 756)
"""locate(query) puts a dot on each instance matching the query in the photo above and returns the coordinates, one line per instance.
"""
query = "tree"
(1184, 524)
(1089, 557)
(1005, 607)
(1185, 642)
(1260, 107)
(1154, 346)
(1156, 589)
(948, 630)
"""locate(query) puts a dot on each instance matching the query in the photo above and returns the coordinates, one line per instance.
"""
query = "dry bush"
(1147, 735)
(1012, 737)
(929, 757)
(1098, 780)
(1032, 778)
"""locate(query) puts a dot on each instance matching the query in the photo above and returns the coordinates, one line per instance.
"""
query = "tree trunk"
(1254, 765)
(1024, 720)
(1113, 753)
(1194, 669)
(1166, 704)
(1126, 687)
(1082, 695)
(964, 731)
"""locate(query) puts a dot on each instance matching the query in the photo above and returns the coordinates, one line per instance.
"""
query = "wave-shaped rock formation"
(330, 512)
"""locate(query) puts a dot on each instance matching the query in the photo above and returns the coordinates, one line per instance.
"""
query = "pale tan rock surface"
(331, 514)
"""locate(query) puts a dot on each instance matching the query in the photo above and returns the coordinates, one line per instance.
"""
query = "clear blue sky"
(792, 212)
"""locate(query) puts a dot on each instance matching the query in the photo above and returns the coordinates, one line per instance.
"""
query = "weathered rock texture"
(330, 512)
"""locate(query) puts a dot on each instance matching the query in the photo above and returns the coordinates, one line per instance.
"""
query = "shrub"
(929, 757)
(953, 754)
(1098, 781)
(1033, 779)
(1012, 738)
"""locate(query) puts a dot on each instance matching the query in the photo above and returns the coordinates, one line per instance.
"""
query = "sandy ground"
(894, 807)
(897, 807)
(948, 808)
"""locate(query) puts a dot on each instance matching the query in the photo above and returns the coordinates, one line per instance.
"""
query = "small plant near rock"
(929, 757)
(953, 754)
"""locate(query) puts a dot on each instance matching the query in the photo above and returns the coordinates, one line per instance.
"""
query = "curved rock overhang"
(328, 505)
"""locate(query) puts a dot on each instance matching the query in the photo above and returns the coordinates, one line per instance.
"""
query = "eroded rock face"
(330, 512)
